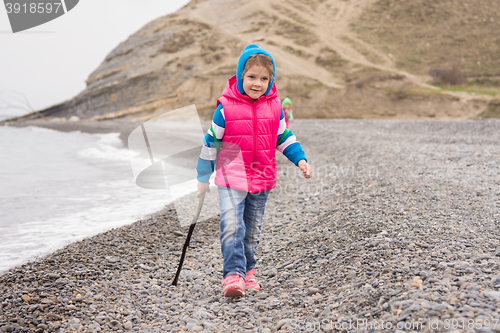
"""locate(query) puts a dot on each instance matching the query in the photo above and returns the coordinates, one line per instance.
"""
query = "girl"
(287, 108)
(247, 127)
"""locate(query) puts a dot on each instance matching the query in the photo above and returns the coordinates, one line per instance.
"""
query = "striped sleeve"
(287, 143)
(208, 155)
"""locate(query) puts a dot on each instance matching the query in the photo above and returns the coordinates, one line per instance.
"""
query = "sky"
(49, 64)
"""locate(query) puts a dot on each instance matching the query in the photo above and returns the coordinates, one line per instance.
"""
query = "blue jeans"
(240, 227)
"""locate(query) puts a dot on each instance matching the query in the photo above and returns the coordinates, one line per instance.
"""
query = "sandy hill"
(335, 58)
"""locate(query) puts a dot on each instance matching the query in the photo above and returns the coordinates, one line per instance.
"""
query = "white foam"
(109, 147)
(57, 188)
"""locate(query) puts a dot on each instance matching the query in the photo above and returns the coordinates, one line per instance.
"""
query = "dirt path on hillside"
(330, 20)
(333, 29)
(336, 33)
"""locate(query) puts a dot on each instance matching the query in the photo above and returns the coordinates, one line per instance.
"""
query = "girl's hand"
(306, 168)
(202, 187)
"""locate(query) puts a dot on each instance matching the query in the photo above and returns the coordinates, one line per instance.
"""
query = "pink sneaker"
(234, 286)
(250, 282)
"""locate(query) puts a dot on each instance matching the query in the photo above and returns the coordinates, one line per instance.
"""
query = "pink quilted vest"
(246, 160)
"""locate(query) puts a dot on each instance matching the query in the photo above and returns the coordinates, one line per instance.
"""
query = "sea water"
(56, 188)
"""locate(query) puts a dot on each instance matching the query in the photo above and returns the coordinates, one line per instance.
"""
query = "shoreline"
(122, 126)
(86, 191)
(399, 225)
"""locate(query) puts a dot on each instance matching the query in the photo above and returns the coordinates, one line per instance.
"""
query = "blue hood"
(247, 52)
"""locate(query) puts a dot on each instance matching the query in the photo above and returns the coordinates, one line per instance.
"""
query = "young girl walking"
(247, 127)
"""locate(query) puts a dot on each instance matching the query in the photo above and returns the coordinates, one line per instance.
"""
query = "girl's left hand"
(306, 168)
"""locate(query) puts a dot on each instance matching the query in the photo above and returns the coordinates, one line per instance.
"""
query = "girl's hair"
(259, 59)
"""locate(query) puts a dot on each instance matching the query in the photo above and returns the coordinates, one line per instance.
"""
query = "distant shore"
(122, 126)
(399, 225)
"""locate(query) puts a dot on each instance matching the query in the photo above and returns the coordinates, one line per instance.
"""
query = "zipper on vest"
(254, 111)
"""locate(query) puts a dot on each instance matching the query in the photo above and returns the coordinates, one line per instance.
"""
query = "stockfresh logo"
(24, 14)
(164, 154)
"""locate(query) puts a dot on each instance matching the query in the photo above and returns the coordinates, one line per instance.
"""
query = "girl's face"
(286, 107)
(256, 81)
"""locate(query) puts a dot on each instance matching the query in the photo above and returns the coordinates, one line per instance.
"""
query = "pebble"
(388, 227)
(281, 323)
(128, 325)
(439, 307)
(313, 291)
(272, 272)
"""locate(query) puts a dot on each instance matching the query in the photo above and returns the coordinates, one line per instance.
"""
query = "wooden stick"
(188, 238)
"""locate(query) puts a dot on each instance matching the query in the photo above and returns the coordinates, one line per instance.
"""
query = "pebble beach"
(396, 231)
